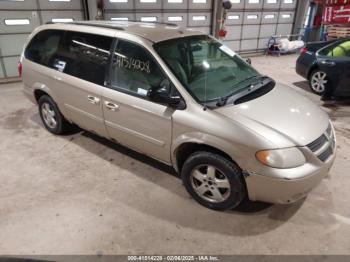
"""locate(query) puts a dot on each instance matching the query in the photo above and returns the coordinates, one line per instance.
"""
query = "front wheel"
(318, 82)
(213, 181)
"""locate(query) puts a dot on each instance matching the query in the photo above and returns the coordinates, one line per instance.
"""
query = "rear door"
(81, 67)
(130, 117)
(335, 61)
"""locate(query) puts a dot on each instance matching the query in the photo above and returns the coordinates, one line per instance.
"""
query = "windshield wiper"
(223, 100)
(253, 88)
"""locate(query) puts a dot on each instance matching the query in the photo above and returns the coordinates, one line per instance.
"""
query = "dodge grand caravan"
(185, 99)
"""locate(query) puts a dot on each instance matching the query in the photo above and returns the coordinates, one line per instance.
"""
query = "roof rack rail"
(151, 22)
(88, 24)
(110, 26)
(98, 25)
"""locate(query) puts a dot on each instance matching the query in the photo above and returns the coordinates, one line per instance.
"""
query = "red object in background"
(20, 68)
(336, 14)
(303, 50)
(222, 33)
(337, 2)
(317, 20)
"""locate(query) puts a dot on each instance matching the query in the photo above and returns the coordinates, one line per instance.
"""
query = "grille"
(318, 143)
(326, 154)
(327, 137)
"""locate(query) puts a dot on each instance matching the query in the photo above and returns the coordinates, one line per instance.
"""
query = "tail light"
(303, 50)
(20, 69)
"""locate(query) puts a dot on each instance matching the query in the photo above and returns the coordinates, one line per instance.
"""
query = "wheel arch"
(312, 68)
(40, 89)
(186, 145)
(44, 90)
(39, 93)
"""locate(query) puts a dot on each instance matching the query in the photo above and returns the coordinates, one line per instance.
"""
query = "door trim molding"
(137, 134)
(91, 116)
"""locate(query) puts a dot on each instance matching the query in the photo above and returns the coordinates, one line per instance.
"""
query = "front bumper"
(283, 190)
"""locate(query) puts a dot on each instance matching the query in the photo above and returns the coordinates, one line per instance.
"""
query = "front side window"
(208, 69)
(44, 47)
(134, 70)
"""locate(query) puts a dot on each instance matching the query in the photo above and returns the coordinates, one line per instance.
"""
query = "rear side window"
(44, 47)
(78, 54)
(337, 50)
(85, 56)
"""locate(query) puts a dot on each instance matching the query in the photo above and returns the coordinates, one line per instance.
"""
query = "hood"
(279, 115)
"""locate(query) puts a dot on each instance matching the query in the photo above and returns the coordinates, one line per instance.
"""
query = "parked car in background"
(326, 65)
(183, 98)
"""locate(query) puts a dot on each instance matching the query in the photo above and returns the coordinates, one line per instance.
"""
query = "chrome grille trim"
(323, 147)
(329, 130)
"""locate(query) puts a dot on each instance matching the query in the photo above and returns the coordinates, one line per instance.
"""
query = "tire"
(318, 82)
(51, 116)
(206, 174)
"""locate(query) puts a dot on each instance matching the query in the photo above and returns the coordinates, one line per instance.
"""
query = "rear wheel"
(51, 117)
(318, 82)
(213, 181)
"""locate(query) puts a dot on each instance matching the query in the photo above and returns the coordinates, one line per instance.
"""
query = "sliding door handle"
(111, 106)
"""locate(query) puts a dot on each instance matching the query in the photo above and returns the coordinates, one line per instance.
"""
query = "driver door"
(130, 117)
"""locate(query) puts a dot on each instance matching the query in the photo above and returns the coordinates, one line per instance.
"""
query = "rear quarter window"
(44, 46)
(341, 49)
(78, 54)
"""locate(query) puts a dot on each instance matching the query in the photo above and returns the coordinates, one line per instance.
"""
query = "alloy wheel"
(319, 81)
(49, 115)
(210, 183)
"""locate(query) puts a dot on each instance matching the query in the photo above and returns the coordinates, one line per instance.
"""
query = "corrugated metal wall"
(19, 18)
(250, 22)
(187, 13)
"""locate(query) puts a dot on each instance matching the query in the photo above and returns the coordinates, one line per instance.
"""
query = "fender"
(312, 68)
(209, 140)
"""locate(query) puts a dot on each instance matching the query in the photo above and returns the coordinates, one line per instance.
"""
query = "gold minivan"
(185, 99)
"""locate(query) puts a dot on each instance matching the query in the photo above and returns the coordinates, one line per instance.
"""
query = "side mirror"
(248, 60)
(161, 94)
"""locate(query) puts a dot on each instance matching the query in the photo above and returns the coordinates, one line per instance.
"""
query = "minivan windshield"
(208, 69)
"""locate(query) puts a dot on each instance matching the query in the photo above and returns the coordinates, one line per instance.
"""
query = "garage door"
(251, 22)
(187, 13)
(20, 17)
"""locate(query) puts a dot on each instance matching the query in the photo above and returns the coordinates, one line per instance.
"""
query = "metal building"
(19, 18)
(250, 22)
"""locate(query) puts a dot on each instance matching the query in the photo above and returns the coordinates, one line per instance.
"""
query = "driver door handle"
(111, 106)
(93, 100)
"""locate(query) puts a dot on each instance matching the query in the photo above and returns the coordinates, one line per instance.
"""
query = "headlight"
(281, 158)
